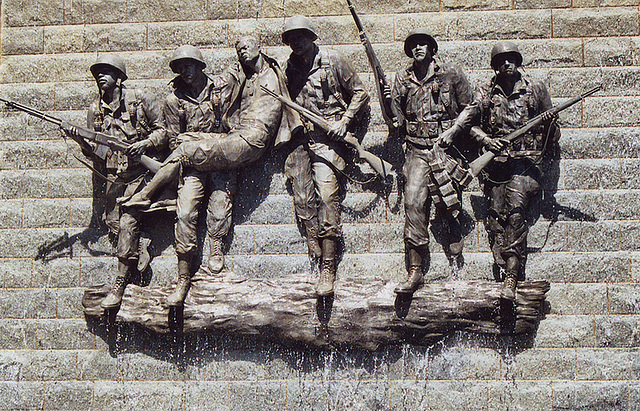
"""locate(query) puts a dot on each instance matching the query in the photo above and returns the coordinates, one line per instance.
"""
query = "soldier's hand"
(547, 117)
(338, 130)
(497, 144)
(139, 148)
(446, 138)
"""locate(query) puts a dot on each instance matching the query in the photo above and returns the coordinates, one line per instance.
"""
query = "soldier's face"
(248, 50)
(300, 42)
(188, 70)
(421, 51)
(507, 65)
(107, 78)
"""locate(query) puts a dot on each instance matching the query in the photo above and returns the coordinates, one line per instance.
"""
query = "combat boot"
(324, 287)
(114, 298)
(144, 258)
(508, 291)
(176, 298)
(216, 255)
(414, 280)
(313, 242)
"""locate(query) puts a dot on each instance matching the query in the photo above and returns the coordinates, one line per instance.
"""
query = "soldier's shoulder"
(333, 56)
(451, 68)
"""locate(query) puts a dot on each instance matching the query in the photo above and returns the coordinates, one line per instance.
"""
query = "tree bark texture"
(364, 313)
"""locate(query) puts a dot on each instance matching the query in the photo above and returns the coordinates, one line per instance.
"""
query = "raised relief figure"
(322, 81)
(250, 121)
(428, 96)
(515, 176)
(135, 119)
(195, 106)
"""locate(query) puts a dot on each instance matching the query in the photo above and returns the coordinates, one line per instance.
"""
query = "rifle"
(382, 85)
(379, 165)
(481, 162)
(94, 136)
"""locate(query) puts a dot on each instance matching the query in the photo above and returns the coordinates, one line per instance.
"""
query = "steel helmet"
(505, 47)
(187, 52)
(416, 34)
(109, 60)
(298, 23)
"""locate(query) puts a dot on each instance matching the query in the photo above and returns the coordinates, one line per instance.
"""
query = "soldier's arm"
(171, 119)
(398, 99)
(152, 108)
(541, 94)
(353, 87)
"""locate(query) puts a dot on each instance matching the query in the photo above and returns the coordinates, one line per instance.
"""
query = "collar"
(180, 86)
(299, 64)
(432, 70)
(108, 108)
(518, 89)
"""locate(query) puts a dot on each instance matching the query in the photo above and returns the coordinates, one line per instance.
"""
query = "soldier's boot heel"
(216, 258)
(414, 280)
(508, 291)
(324, 287)
(176, 298)
(114, 298)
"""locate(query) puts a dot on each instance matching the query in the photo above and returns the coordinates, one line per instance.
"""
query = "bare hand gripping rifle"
(481, 162)
(379, 165)
(88, 135)
(382, 85)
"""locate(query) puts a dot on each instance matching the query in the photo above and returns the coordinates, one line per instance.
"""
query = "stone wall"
(586, 242)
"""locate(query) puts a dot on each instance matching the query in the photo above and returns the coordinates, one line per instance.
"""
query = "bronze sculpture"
(322, 81)
(427, 98)
(250, 120)
(134, 118)
(196, 106)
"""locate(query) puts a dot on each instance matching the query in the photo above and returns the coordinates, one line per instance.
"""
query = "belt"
(427, 129)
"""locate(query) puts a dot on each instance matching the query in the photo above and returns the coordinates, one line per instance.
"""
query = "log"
(364, 313)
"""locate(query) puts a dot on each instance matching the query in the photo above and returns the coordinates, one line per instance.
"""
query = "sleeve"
(470, 113)
(352, 86)
(462, 89)
(171, 120)
(152, 111)
(398, 99)
(543, 100)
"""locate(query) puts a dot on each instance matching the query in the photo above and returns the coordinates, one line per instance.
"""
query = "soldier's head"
(188, 63)
(420, 45)
(248, 50)
(299, 34)
(109, 71)
(505, 58)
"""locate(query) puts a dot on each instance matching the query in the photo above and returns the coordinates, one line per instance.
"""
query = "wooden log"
(363, 314)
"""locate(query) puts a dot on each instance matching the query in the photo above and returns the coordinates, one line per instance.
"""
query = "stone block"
(44, 213)
(32, 94)
(590, 174)
(597, 22)
(630, 176)
(386, 238)
(95, 271)
(64, 39)
(630, 233)
(37, 129)
(13, 126)
(544, 236)
(505, 25)
(139, 395)
(571, 82)
(203, 34)
(618, 331)
(520, 395)
(278, 239)
(634, 396)
(141, 367)
(542, 364)
(244, 237)
(165, 10)
(68, 334)
(594, 236)
(50, 365)
(396, 6)
(268, 266)
(611, 112)
(363, 208)
(604, 3)
(465, 364)
(84, 212)
(75, 96)
(69, 303)
(224, 364)
(207, 395)
(600, 143)
(314, 8)
(577, 299)
(37, 154)
(16, 273)
(591, 395)
(46, 68)
(36, 184)
(68, 395)
(438, 395)
(381, 266)
(257, 395)
(476, 5)
(18, 303)
(624, 298)
(599, 52)
(243, 9)
(588, 267)
(148, 64)
(98, 365)
(12, 335)
(607, 364)
(273, 209)
(115, 37)
(56, 273)
(565, 331)
(21, 13)
(22, 40)
(95, 11)
(11, 214)
(356, 238)
(443, 26)
(22, 395)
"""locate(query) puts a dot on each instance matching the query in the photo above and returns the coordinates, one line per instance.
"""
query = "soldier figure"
(134, 118)
(195, 106)
(250, 121)
(515, 176)
(324, 82)
(427, 98)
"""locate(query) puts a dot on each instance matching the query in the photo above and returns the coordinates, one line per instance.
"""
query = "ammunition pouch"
(425, 133)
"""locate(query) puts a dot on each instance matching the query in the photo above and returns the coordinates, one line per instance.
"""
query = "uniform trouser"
(191, 192)
(509, 201)
(123, 222)
(315, 189)
(417, 200)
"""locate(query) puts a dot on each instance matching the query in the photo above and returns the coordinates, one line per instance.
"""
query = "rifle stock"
(481, 162)
(380, 166)
(86, 134)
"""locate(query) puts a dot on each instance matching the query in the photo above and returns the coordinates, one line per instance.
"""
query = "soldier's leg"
(496, 220)
(114, 188)
(168, 173)
(327, 186)
(416, 205)
(219, 216)
(298, 170)
(190, 195)
(127, 253)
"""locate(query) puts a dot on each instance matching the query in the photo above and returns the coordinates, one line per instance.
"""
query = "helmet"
(505, 47)
(297, 23)
(419, 34)
(187, 52)
(112, 61)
